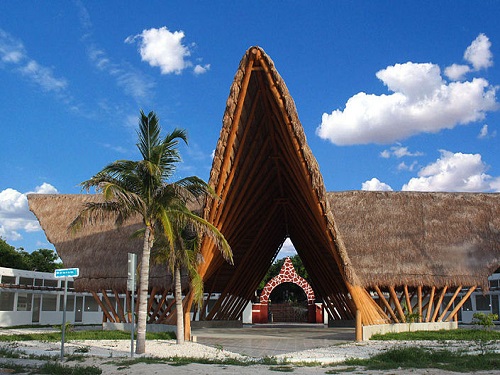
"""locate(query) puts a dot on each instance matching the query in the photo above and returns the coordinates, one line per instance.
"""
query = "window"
(25, 281)
(483, 303)
(91, 304)
(8, 279)
(6, 301)
(24, 301)
(70, 303)
(50, 283)
(38, 282)
(494, 284)
(467, 306)
(49, 302)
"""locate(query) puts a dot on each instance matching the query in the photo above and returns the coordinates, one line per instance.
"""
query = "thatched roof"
(271, 188)
(415, 238)
(99, 250)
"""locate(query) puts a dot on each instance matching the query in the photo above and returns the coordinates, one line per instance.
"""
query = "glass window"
(38, 282)
(24, 301)
(494, 284)
(71, 285)
(70, 303)
(6, 301)
(483, 303)
(91, 304)
(25, 281)
(8, 279)
(49, 302)
(50, 283)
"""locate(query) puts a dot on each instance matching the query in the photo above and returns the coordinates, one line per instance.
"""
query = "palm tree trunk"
(143, 292)
(178, 306)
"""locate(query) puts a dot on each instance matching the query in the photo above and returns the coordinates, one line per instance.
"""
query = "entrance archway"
(287, 274)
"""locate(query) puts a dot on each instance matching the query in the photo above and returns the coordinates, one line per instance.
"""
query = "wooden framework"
(365, 262)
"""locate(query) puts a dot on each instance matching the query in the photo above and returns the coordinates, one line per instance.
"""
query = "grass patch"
(455, 334)
(84, 335)
(54, 368)
(421, 358)
(282, 368)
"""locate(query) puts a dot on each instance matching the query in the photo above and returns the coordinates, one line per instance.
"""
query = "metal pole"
(132, 325)
(63, 327)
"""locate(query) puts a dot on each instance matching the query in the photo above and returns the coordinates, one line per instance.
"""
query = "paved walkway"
(269, 340)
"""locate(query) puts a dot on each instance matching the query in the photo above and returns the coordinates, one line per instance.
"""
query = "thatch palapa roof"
(271, 188)
(415, 238)
(99, 250)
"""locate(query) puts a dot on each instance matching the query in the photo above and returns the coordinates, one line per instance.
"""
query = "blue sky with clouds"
(392, 95)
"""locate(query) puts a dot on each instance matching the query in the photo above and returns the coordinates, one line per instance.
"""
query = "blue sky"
(391, 95)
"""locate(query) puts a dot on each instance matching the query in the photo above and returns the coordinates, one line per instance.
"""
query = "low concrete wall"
(369, 331)
(149, 327)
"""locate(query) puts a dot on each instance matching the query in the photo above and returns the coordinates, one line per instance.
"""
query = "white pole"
(63, 327)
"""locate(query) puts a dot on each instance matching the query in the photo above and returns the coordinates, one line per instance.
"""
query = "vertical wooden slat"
(110, 305)
(408, 300)
(430, 304)
(419, 296)
(121, 313)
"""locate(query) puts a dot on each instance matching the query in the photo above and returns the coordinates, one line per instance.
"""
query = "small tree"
(484, 320)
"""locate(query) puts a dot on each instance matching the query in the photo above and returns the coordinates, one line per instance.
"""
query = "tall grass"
(456, 334)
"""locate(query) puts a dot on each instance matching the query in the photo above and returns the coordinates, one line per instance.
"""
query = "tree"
(44, 260)
(184, 253)
(12, 258)
(142, 189)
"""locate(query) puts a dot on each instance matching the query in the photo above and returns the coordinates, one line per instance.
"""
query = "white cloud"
(421, 102)
(454, 172)
(404, 167)
(199, 69)
(485, 133)
(399, 151)
(456, 72)
(164, 49)
(13, 53)
(479, 54)
(375, 185)
(15, 215)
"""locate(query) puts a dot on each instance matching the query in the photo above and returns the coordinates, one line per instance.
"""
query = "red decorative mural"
(287, 275)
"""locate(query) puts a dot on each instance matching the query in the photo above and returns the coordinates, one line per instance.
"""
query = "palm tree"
(142, 189)
(184, 253)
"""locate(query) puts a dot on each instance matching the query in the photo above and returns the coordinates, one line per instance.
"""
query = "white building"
(28, 297)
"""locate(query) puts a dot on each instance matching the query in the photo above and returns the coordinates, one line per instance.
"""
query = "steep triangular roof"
(270, 188)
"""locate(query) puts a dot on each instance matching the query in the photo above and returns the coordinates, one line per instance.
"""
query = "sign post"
(65, 273)
(132, 266)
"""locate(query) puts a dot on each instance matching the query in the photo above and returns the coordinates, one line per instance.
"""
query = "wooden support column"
(430, 304)
(438, 304)
(449, 303)
(419, 296)
(408, 299)
(460, 304)
(359, 326)
(121, 313)
(110, 305)
(394, 296)
(105, 311)
(158, 306)
(386, 304)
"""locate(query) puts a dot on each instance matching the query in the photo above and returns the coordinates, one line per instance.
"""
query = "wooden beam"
(110, 305)
(394, 296)
(408, 299)
(460, 304)
(103, 308)
(419, 296)
(121, 313)
(438, 304)
(386, 304)
(430, 304)
(158, 306)
(450, 303)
